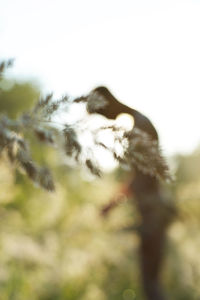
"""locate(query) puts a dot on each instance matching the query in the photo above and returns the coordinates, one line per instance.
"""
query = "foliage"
(138, 148)
(56, 245)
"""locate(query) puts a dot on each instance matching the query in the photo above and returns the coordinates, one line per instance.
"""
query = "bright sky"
(146, 52)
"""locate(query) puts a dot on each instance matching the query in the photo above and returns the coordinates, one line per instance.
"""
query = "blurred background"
(56, 246)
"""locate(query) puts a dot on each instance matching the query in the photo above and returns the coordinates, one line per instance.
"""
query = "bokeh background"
(56, 245)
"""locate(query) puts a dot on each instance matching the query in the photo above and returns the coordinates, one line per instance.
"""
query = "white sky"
(146, 52)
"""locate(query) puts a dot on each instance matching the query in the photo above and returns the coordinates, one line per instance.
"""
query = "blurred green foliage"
(55, 246)
(16, 97)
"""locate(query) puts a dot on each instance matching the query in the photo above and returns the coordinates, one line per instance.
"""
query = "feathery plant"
(137, 149)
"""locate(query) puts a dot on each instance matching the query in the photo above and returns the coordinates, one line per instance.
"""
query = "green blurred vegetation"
(55, 246)
(17, 97)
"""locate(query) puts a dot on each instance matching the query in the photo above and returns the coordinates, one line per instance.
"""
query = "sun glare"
(126, 121)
